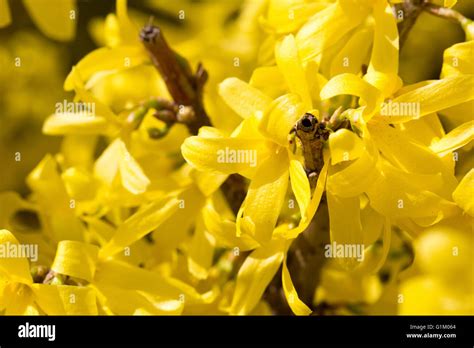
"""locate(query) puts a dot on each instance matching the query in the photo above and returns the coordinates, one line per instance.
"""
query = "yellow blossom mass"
(264, 157)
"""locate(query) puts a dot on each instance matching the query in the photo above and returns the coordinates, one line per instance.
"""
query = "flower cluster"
(292, 172)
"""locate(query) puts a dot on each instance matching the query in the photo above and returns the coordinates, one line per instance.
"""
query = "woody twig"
(187, 107)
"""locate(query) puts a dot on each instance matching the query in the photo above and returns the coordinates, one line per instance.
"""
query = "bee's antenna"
(150, 21)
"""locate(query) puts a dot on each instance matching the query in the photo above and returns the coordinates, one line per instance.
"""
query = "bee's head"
(307, 123)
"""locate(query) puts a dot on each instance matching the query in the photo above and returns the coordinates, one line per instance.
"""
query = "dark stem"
(306, 258)
(186, 90)
(411, 10)
(184, 86)
(446, 13)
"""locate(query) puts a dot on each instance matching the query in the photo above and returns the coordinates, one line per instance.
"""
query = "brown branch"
(186, 90)
(411, 10)
(184, 87)
(306, 258)
(446, 13)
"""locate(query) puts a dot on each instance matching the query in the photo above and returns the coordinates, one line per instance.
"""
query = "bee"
(312, 135)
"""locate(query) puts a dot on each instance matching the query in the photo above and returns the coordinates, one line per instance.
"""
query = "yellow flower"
(131, 215)
(120, 287)
(443, 284)
(264, 133)
(391, 183)
(20, 296)
(55, 18)
(394, 179)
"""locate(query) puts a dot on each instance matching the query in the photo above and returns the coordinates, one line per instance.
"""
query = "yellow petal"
(328, 26)
(300, 185)
(102, 231)
(280, 118)
(383, 67)
(244, 99)
(79, 184)
(427, 295)
(339, 286)
(76, 259)
(248, 128)
(297, 306)
(132, 302)
(128, 31)
(424, 130)
(118, 274)
(399, 194)
(409, 155)
(76, 83)
(116, 159)
(132, 175)
(225, 230)
(78, 150)
(353, 85)
(17, 299)
(208, 182)
(315, 81)
(434, 251)
(372, 223)
(436, 96)
(65, 299)
(201, 251)
(225, 155)
(457, 59)
(175, 229)
(386, 240)
(75, 124)
(286, 233)
(16, 269)
(56, 19)
(318, 191)
(254, 276)
(455, 139)
(5, 17)
(464, 193)
(280, 11)
(54, 202)
(145, 220)
(107, 165)
(265, 196)
(269, 80)
(345, 227)
(457, 115)
(353, 179)
(354, 53)
(288, 61)
(106, 60)
(345, 145)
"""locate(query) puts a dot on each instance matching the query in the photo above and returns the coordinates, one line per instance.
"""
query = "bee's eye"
(307, 122)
